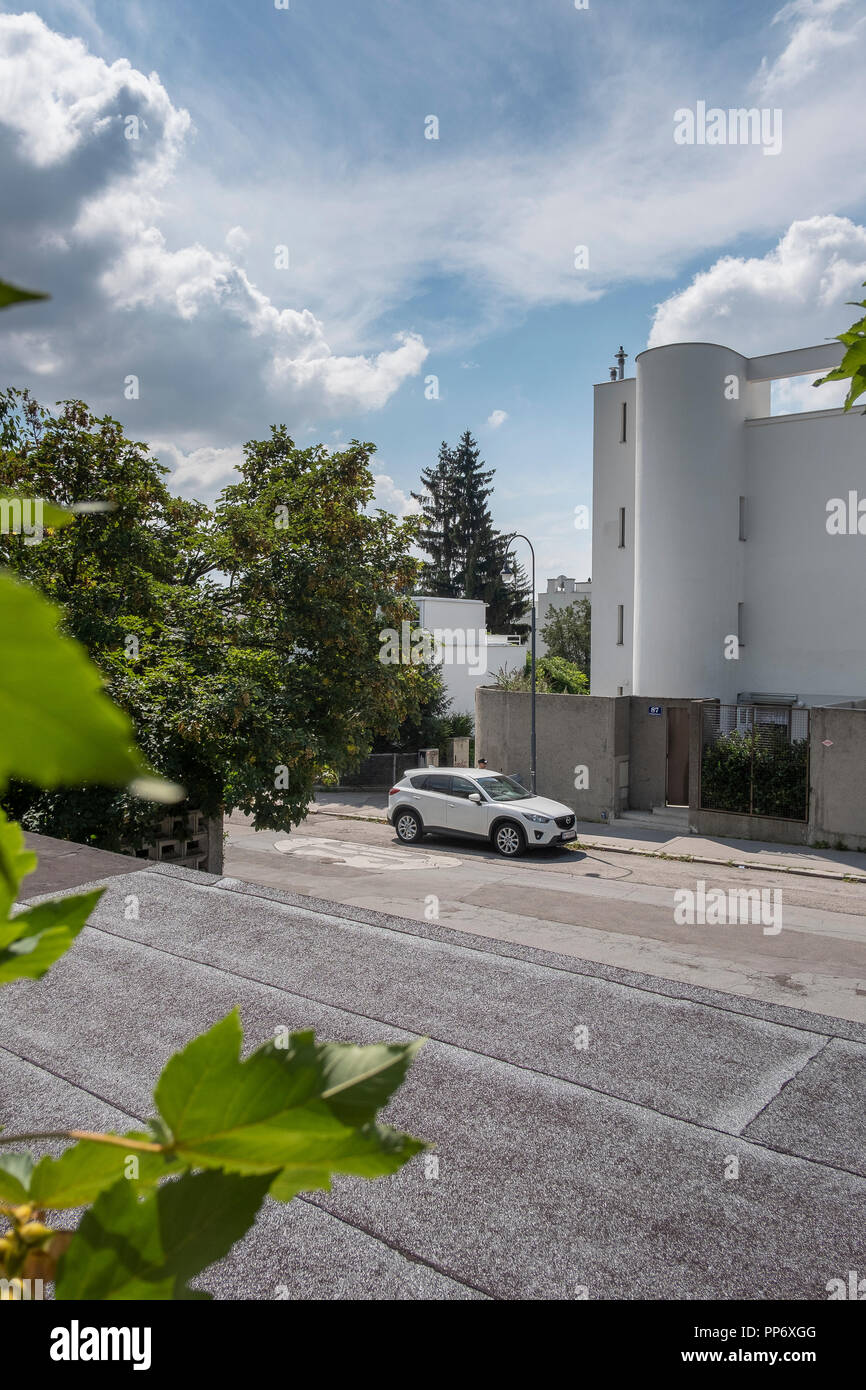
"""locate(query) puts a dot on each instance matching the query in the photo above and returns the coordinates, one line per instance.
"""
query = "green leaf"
(78, 1176)
(15, 1171)
(11, 294)
(132, 1248)
(31, 942)
(16, 863)
(273, 1112)
(355, 1081)
(59, 728)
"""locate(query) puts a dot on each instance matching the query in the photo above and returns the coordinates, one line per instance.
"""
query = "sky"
(398, 219)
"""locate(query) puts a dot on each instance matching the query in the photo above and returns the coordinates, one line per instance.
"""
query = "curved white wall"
(689, 476)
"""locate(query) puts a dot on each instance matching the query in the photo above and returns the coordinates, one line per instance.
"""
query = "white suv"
(477, 804)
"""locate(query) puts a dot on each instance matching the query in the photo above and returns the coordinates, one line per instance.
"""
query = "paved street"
(598, 1132)
(599, 905)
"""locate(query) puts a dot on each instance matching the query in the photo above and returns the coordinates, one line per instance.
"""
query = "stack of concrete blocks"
(189, 838)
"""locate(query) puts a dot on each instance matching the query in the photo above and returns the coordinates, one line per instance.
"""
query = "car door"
(462, 814)
(432, 798)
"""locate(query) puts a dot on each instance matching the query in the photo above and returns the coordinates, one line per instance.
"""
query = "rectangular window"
(622, 528)
(741, 639)
(620, 624)
(742, 518)
(623, 423)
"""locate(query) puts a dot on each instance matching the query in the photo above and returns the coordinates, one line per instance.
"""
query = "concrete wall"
(803, 588)
(837, 806)
(624, 748)
(572, 731)
(613, 462)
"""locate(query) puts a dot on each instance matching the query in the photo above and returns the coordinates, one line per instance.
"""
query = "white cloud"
(795, 296)
(62, 103)
(794, 394)
(56, 96)
(202, 468)
(505, 218)
(237, 240)
(497, 418)
(390, 498)
(813, 39)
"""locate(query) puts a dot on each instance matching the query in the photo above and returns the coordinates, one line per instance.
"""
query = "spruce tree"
(467, 554)
(438, 534)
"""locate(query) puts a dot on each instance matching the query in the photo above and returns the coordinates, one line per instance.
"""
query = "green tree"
(242, 641)
(567, 633)
(226, 1131)
(438, 532)
(467, 554)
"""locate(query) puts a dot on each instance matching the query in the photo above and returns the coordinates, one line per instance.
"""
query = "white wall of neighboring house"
(472, 656)
(561, 592)
(699, 438)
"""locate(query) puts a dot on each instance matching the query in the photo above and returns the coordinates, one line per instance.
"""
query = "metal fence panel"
(755, 760)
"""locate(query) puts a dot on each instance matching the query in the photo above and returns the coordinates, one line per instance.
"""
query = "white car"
(478, 804)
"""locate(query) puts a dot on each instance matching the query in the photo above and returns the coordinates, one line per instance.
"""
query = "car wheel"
(408, 827)
(509, 840)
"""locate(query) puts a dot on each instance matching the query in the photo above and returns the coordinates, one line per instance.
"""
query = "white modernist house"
(729, 544)
(469, 655)
(561, 592)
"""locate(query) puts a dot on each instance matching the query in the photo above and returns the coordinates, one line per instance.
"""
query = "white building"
(716, 569)
(561, 592)
(469, 655)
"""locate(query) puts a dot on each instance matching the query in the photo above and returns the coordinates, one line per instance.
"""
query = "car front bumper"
(541, 836)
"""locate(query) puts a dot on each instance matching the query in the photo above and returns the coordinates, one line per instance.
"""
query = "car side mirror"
(476, 797)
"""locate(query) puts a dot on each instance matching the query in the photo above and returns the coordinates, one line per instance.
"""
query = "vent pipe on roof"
(620, 362)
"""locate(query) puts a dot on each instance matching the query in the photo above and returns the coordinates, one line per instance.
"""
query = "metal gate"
(755, 760)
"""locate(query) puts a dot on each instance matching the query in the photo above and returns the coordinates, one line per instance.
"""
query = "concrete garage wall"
(837, 806)
(571, 730)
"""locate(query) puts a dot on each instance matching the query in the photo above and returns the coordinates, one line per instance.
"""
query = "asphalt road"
(611, 908)
(600, 1133)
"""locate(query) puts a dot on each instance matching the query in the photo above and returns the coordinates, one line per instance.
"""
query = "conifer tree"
(467, 554)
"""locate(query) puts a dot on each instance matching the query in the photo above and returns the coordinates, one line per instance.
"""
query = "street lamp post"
(506, 574)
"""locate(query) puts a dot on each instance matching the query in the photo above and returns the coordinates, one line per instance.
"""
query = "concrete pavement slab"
(293, 1251)
(560, 1169)
(708, 1064)
(803, 1117)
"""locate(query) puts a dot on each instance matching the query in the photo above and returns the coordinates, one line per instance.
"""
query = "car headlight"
(542, 820)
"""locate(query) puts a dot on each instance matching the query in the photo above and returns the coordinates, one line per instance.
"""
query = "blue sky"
(409, 257)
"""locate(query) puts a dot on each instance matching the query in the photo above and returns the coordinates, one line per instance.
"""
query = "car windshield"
(503, 788)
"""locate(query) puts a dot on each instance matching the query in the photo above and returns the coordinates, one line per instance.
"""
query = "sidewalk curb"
(840, 876)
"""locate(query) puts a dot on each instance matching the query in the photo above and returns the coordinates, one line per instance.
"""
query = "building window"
(742, 518)
(623, 423)
(622, 528)
(620, 624)
(741, 639)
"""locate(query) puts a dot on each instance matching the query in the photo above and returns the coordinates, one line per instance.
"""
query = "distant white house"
(469, 655)
(561, 592)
